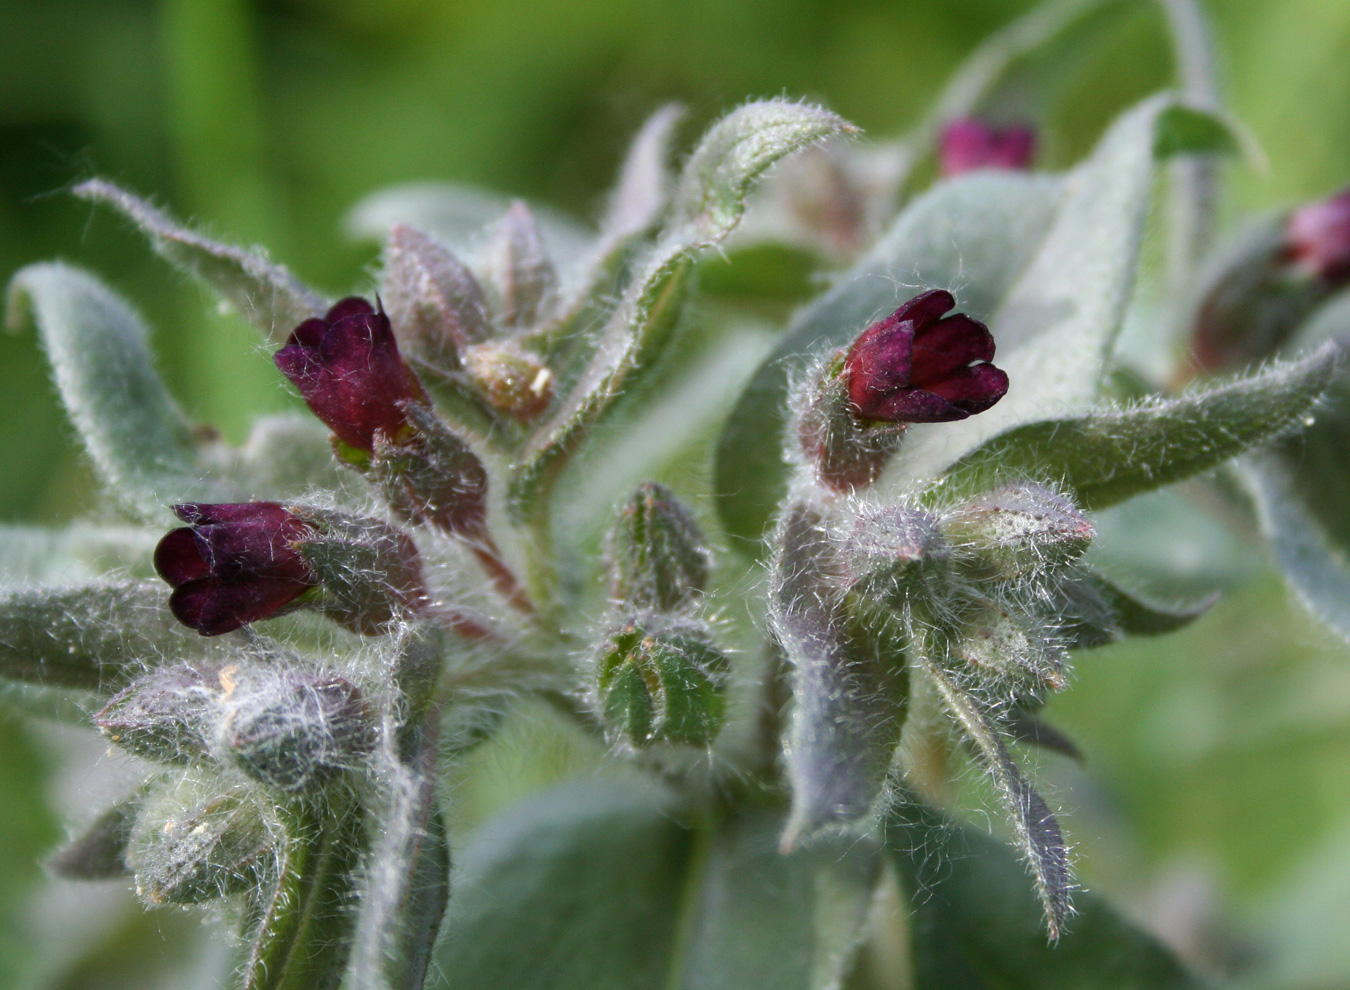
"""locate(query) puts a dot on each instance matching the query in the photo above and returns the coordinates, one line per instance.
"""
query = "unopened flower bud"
(291, 729)
(1318, 238)
(894, 551)
(199, 851)
(348, 368)
(166, 715)
(1018, 529)
(511, 380)
(969, 144)
(916, 366)
(435, 306)
(661, 683)
(1004, 653)
(519, 270)
(436, 478)
(657, 556)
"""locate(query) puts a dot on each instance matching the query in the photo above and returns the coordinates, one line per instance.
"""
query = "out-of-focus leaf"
(458, 216)
(596, 885)
(265, 293)
(81, 552)
(95, 637)
(973, 235)
(643, 187)
(769, 920)
(135, 433)
(1106, 457)
(99, 852)
(707, 205)
(1314, 566)
(977, 926)
(576, 889)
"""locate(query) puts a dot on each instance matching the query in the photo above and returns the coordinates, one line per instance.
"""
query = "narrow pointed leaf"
(973, 235)
(407, 883)
(95, 637)
(643, 187)
(299, 929)
(263, 292)
(1101, 612)
(135, 433)
(707, 206)
(1038, 832)
(1027, 728)
(1314, 565)
(976, 924)
(1107, 457)
(517, 265)
(99, 852)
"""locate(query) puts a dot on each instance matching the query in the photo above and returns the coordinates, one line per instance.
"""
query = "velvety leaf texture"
(1107, 457)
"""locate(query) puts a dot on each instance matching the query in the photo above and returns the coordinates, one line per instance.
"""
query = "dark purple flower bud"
(915, 367)
(969, 144)
(348, 368)
(234, 564)
(1318, 237)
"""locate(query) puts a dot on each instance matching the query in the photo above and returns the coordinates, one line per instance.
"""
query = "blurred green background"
(1219, 760)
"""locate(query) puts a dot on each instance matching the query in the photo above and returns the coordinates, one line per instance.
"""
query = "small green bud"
(661, 684)
(657, 556)
(1019, 529)
(193, 852)
(434, 303)
(517, 267)
(165, 716)
(433, 477)
(291, 729)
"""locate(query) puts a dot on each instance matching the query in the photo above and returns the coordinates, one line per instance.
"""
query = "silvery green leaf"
(764, 919)
(289, 455)
(1313, 564)
(263, 292)
(643, 187)
(94, 637)
(975, 924)
(604, 860)
(458, 216)
(99, 851)
(34, 555)
(407, 880)
(1056, 326)
(1106, 457)
(1037, 831)
(299, 927)
(434, 303)
(135, 433)
(707, 205)
(710, 198)
(973, 235)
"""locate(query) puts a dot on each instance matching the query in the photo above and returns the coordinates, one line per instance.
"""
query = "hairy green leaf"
(78, 553)
(265, 293)
(707, 206)
(1106, 457)
(973, 235)
(975, 923)
(135, 433)
(96, 637)
(300, 928)
(1037, 830)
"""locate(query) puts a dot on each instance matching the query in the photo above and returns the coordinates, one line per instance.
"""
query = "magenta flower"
(234, 564)
(915, 367)
(348, 368)
(1318, 237)
(969, 144)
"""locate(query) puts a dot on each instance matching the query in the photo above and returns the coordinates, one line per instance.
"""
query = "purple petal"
(351, 306)
(948, 346)
(974, 389)
(179, 558)
(213, 607)
(924, 308)
(916, 405)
